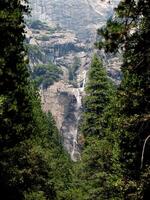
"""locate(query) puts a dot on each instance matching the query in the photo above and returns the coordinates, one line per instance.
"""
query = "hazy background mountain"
(80, 16)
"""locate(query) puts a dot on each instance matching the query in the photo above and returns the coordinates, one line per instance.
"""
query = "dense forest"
(115, 122)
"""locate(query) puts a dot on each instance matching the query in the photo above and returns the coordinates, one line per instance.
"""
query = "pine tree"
(16, 104)
(132, 28)
(98, 92)
(28, 165)
(94, 171)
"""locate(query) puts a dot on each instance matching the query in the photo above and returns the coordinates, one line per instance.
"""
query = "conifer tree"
(16, 105)
(94, 171)
(28, 165)
(98, 92)
(129, 31)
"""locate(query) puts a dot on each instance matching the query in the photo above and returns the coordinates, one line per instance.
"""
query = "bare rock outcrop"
(64, 102)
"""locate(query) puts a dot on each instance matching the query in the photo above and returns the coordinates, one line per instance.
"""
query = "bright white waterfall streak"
(83, 82)
(78, 98)
(74, 147)
(74, 131)
(78, 94)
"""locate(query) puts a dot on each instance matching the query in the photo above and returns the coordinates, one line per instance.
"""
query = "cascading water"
(78, 92)
(74, 153)
(84, 81)
(74, 34)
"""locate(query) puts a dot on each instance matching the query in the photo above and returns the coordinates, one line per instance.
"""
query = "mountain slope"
(69, 45)
(80, 16)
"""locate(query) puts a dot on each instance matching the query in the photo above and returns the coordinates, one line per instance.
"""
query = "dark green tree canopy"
(28, 148)
(98, 92)
(129, 31)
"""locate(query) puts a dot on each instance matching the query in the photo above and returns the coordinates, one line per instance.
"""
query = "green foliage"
(34, 196)
(35, 53)
(99, 89)
(39, 25)
(111, 159)
(32, 164)
(130, 124)
(43, 74)
(99, 157)
(46, 74)
(113, 34)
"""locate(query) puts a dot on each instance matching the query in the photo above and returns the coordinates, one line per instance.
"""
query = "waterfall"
(74, 147)
(74, 32)
(84, 80)
(78, 92)
(78, 98)
(75, 155)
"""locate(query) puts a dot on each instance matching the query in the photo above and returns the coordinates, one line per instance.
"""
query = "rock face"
(64, 101)
(66, 37)
(80, 16)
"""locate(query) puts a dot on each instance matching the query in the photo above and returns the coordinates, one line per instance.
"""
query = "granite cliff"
(80, 16)
(63, 32)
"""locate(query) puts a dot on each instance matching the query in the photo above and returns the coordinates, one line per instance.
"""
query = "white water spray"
(75, 155)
